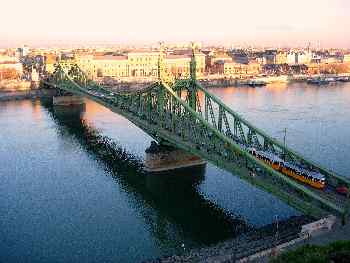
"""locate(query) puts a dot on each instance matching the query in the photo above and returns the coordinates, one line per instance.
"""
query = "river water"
(65, 198)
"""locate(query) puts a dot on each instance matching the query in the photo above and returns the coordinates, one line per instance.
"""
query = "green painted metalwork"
(186, 115)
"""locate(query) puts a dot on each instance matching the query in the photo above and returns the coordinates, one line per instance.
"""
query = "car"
(343, 190)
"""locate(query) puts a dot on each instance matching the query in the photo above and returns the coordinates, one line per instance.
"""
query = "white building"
(291, 58)
(299, 57)
(304, 57)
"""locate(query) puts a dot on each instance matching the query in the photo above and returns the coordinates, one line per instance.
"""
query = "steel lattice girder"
(161, 112)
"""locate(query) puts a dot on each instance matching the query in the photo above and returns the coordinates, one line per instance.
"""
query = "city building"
(10, 67)
(331, 60)
(346, 58)
(214, 60)
(269, 56)
(239, 70)
(281, 57)
(299, 57)
(142, 63)
(240, 56)
(22, 52)
(50, 61)
(105, 66)
(178, 65)
(304, 57)
(139, 64)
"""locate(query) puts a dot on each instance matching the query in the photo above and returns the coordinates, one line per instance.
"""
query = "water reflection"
(174, 198)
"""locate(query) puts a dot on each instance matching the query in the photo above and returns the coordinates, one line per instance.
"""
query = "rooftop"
(175, 56)
(110, 57)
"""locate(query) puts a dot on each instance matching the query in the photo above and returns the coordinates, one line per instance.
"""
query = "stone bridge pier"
(68, 106)
(163, 158)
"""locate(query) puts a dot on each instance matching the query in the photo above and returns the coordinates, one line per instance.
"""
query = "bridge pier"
(162, 158)
(67, 100)
(68, 107)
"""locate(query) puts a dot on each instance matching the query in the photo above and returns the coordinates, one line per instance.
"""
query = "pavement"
(322, 237)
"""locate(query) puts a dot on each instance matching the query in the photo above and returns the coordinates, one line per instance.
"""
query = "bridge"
(182, 113)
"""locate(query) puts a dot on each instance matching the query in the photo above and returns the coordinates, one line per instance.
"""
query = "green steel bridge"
(182, 113)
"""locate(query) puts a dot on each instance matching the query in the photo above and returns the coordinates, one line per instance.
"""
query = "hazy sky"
(269, 22)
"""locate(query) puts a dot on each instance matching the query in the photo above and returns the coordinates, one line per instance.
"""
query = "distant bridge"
(186, 115)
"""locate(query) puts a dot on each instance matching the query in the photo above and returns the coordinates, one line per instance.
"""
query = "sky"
(258, 22)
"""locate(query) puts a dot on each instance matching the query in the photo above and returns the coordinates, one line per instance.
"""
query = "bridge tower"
(193, 65)
(192, 89)
(162, 71)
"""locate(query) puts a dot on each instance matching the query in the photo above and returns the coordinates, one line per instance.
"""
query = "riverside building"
(139, 64)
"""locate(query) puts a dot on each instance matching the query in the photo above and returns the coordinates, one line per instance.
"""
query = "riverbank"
(244, 245)
(264, 243)
(322, 237)
(27, 94)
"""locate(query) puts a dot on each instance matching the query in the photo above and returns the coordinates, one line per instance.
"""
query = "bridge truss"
(186, 115)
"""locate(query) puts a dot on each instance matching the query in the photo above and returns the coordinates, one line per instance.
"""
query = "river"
(65, 198)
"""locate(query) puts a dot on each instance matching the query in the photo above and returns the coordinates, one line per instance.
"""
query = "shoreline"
(242, 246)
(26, 94)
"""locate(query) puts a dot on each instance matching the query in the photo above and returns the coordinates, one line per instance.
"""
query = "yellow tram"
(311, 178)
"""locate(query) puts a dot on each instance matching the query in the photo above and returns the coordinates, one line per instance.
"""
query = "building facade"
(346, 58)
(281, 57)
(138, 64)
(238, 70)
(10, 67)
